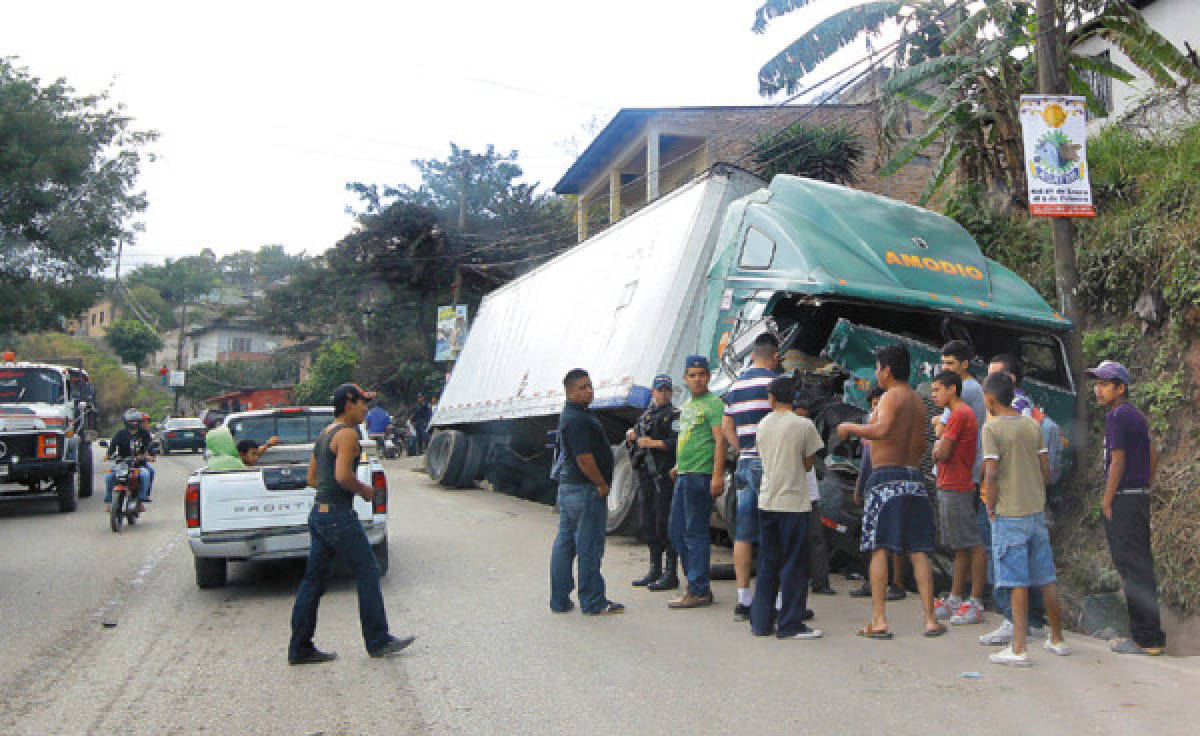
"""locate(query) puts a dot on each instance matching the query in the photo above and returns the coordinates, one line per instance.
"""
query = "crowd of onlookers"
(405, 433)
(994, 453)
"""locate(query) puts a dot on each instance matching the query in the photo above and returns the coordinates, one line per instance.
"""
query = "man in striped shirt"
(746, 403)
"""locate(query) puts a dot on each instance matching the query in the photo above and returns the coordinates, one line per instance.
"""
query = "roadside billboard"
(451, 332)
(1054, 129)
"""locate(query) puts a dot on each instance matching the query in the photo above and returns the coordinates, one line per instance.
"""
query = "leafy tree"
(146, 301)
(965, 65)
(211, 378)
(829, 153)
(68, 166)
(333, 365)
(133, 341)
(182, 279)
(247, 268)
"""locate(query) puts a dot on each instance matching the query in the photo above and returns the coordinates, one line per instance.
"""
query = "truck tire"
(67, 500)
(445, 456)
(381, 556)
(622, 495)
(725, 506)
(86, 468)
(211, 572)
(473, 461)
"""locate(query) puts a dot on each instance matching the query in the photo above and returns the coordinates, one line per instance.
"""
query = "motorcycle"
(125, 500)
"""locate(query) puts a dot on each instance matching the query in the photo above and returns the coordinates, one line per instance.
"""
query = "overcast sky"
(267, 109)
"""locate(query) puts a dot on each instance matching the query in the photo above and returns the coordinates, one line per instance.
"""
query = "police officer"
(652, 454)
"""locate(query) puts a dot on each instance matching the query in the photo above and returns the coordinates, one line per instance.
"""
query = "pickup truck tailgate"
(254, 498)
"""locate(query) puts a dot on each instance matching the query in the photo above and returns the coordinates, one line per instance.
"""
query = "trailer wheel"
(67, 500)
(473, 461)
(445, 456)
(86, 466)
(622, 494)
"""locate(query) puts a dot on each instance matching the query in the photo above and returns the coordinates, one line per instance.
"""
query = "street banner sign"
(451, 332)
(177, 379)
(1054, 128)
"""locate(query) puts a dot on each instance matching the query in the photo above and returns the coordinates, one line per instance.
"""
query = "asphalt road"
(469, 576)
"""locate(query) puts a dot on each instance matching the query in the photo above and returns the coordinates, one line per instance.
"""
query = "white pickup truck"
(261, 512)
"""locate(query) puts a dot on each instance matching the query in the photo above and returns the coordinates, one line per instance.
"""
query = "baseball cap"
(662, 380)
(350, 391)
(696, 361)
(1110, 370)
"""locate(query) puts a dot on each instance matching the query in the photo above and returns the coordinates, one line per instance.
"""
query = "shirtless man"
(897, 515)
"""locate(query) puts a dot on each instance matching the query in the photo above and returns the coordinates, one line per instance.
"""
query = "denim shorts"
(1022, 553)
(746, 480)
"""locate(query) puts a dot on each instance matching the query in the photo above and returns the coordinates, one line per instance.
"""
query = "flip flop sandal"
(941, 629)
(867, 633)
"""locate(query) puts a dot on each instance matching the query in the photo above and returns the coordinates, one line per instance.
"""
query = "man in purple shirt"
(1129, 463)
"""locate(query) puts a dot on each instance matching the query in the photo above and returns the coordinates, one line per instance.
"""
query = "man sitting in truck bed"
(251, 452)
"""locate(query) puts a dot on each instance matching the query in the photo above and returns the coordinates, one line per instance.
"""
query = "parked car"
(181, 433)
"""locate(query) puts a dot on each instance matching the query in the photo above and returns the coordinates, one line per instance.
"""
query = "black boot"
(655, 571)
(669, 579)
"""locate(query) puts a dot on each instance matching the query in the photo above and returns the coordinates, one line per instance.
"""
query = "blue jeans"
(1021, 550)
(145, 479)
(747, 479)
(338, 533)
(1003, 596)
(782, 568)
(691, 507)
(582, 517)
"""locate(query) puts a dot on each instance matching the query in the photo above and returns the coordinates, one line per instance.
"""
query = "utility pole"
(1051, 81)
(179, 353)
(462, 192)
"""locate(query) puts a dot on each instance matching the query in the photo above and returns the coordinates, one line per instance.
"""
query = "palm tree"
(964, 64)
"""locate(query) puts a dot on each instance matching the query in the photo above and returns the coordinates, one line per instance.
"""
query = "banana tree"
(964, 64)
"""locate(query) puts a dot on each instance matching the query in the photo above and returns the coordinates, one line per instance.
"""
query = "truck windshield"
(26, 385)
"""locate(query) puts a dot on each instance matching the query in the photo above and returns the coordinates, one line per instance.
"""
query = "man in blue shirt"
(378, 422)
(746, 403)
(584, 470)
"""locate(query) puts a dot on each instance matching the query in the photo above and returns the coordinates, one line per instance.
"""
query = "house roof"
(619, 132)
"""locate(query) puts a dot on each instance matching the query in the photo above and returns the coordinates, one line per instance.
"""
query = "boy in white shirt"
(787, 444)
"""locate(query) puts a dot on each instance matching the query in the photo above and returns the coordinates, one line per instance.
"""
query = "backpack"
(1052, 435)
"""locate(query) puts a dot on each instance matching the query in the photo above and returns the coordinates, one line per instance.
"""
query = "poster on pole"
(1054, 129)
(177, 379)
(451, 332)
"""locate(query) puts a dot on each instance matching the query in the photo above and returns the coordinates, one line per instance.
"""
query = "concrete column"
(581, 218)
(614, 195)
(651, 165)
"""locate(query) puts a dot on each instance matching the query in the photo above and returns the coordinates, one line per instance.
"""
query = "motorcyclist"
(131, 442)
(378, 422)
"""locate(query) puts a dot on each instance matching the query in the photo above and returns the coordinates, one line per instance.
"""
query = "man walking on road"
(335, 530)
(583, 469)
(897, 514)
(699, 478)
(1129, 463)
(421, 415)
(746, 404)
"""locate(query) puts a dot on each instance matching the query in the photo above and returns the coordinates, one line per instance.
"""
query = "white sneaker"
(1061, 648)
(1000, 636)
(944, 608)
(1008, 657)
(968, 613)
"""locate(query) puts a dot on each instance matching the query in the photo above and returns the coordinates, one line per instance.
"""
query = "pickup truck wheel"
(622, 495)
(67, 500)
(445, 456)
(473, 461)
(381, 556)
(211, 572)
(86, 467)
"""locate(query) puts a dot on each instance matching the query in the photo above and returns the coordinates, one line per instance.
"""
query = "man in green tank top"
(335, 531)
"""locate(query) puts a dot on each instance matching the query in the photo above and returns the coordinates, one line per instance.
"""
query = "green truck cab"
(834, 271)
